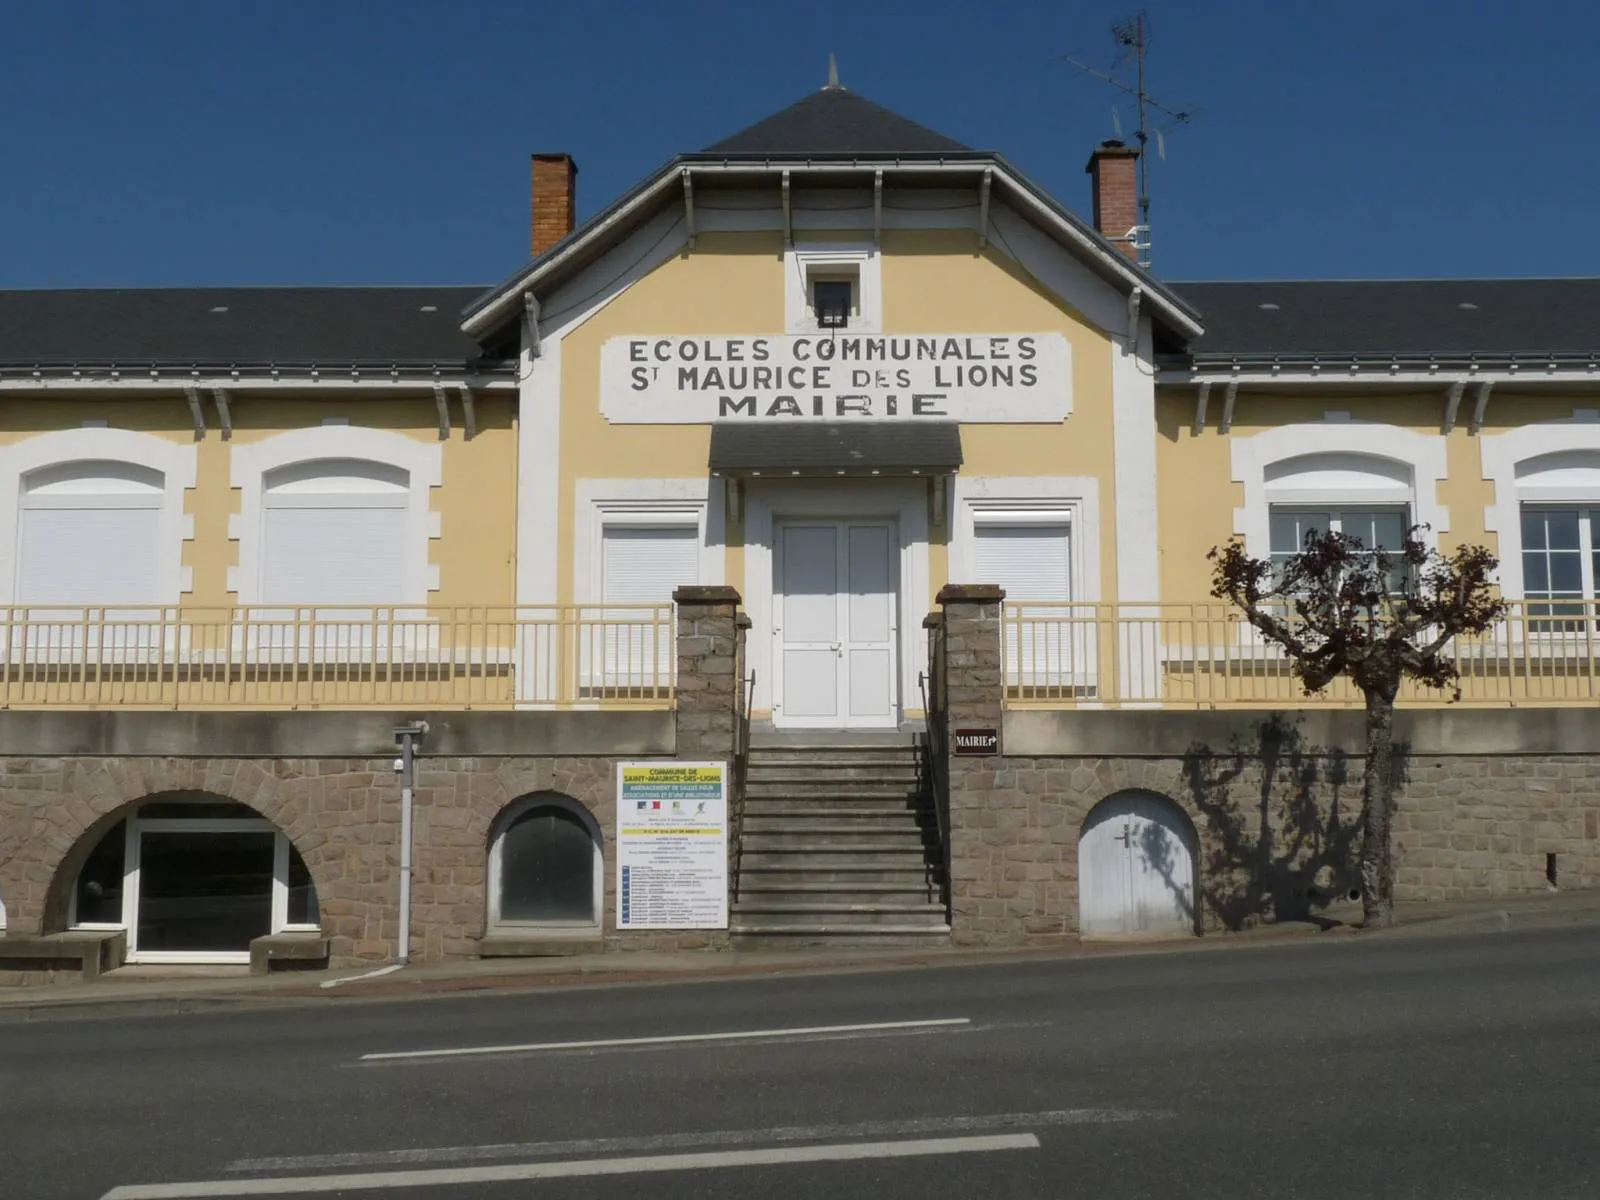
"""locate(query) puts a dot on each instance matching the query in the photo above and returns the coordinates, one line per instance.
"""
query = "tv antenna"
(1132, 37)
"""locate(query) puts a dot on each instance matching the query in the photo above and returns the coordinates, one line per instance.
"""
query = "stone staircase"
(840, 848)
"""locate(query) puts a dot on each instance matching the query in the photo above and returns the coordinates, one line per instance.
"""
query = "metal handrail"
(936, 757)
(736, 782)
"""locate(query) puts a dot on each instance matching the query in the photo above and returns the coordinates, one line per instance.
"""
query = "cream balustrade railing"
(1204, 655)
(337, 657)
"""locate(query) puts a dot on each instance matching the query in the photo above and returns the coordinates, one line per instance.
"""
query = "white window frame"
(503, 822)
(134, 827)
(659, 503)
(859, 261)
(176, 463)
(1506, 455)
(1012, 500)
(1422, 456)
(423, 463)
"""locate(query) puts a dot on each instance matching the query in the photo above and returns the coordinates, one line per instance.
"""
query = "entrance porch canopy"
(824, 448)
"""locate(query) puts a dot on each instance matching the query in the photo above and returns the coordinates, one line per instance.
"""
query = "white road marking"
(676, 1039)
(913, 1127)
(389, 970)
(650, 1164)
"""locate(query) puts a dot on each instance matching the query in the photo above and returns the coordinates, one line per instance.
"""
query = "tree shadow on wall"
(1282, 823)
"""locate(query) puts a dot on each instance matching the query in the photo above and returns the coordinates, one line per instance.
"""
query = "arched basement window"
(194, 878)
(545, 866)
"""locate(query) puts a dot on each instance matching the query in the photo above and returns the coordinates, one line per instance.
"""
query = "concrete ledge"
(540, 945)
(92, 952)
(306, 950)
(1171, 733)
(57, 733)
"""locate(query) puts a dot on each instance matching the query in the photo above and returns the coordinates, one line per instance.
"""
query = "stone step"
(840, 754)
(775, 810)
(845, 872)
(794, 850)
(822, 789)
(800, 828)
(866, 916)
(825, 831)
(762, 935)
(849, 891)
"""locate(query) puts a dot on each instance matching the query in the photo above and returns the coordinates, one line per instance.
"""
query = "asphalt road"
(1449, 1067)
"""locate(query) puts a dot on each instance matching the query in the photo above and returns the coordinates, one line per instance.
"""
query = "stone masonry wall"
(1274, 801)
(342, 812)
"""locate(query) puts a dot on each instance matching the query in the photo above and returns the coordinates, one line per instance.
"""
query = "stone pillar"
(708, 672)
(981, 814)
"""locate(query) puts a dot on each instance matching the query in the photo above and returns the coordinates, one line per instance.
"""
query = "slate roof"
(835, 121)
(330, 326)
(1405, 318)
(827, 448)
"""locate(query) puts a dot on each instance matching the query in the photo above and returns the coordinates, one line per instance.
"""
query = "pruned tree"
(1376, 617)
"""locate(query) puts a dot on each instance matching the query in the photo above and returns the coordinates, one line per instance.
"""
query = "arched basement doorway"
(193, 878)
(1136, 867)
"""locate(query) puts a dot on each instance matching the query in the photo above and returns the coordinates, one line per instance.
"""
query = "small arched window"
(334, 531)
(545, 865)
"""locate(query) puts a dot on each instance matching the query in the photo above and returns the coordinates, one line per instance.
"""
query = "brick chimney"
(1114, 175)
(555, 199)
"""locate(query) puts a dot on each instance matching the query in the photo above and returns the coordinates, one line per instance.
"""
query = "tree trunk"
(1377, 808)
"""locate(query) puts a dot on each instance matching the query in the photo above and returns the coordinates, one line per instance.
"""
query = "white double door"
(835, 625)
(1136, 868)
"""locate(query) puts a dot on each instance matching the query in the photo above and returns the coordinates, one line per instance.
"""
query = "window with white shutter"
(334, 532)
(90, 534)
(642, 564)
(1029, 554)
(1031, 560)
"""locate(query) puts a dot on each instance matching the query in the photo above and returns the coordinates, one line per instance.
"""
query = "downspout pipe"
(408, 737)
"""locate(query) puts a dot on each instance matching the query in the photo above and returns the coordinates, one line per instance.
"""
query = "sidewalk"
(151, 991)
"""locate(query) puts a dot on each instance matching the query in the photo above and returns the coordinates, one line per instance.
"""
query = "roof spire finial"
(833, 75)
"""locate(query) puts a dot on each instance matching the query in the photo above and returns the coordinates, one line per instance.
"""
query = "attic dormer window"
(833, 286)
(833, 302)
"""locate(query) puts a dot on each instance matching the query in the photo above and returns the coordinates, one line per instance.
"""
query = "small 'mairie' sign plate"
(977, 741)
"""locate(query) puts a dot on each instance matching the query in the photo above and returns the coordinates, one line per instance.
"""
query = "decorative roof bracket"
(1227, 405)
(688, 204)
(1481, 405)
(877, 209)
(224, 412)
(1200, 403)
(983, 207)
(1452, 403)
(530, 316)
(469, 411)
(441, 402)
(788, 213)
(192, 395)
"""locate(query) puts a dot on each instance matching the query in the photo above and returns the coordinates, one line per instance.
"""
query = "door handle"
(1126, 836)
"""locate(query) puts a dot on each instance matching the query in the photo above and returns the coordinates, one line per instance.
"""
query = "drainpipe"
(408, 737)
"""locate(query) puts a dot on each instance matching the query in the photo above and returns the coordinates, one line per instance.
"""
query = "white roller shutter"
(1031, 560)
(89, 553)
(645, 564)
(333, 550)
(641, 564)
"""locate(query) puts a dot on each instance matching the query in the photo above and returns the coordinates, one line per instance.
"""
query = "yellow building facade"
(836, 362)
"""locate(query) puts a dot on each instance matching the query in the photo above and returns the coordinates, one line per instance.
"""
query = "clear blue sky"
(334, 141)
